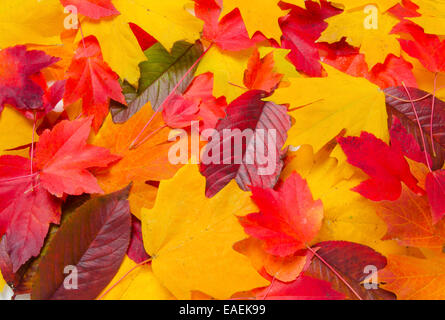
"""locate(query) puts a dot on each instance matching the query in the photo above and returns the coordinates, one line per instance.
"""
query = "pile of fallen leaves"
(95, 95)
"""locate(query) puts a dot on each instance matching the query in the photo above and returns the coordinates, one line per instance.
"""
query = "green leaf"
(92, 241)
(159, 75)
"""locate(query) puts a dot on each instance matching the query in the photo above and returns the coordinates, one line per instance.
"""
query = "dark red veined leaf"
(435, 189)
(406, 144)
(94, 241)
(234, 151)
(94, 9)
(229, 33)
(63, 158)
(427, 48)
(26, 210)
(302, 288)
(301, 29)
(19, 70)
(349, 260)
(92, 80)
(387, 171)
(136, 250)
(398, 104)
(289, 218)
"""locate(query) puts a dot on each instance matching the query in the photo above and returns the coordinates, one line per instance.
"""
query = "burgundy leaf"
(349, 261)
(94, 240)
(398, 104)
(232, 153)
(136, 250)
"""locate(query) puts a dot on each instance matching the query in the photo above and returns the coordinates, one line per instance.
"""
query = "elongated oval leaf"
(93, 240)
(349, 260)
(398, 104)
(159, 75)
(251, 124)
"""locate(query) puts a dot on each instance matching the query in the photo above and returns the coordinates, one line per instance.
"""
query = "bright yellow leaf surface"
(323, 107)
(191, 237)
(375, 44)
(432, 17)
(166, 21)
(253, 14)
(139, 284)
(414, 279)
(30, 21)
(15, 131)
(2, 283)
(383, 5)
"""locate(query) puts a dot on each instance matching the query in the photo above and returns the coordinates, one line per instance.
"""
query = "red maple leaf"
(289, 218)
(229, 33)
(20, 78)
(94, 9)
(260, 74)
(301, 28)
(385, 165)
(427, 48)
(200, 91)
(92, 80)
(26, 209)
(179, 112)
(63, 158)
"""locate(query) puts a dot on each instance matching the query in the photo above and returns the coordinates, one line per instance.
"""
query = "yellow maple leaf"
(15, 131)
(323, 107)
(413, 278)
(190, 238)
(253, 16)
(166, 21)
(375, 44)
(432, 18)
(2, 283)
(139, 284)
(30, 21)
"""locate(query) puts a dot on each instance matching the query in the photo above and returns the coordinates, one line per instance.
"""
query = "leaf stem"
(433, 148)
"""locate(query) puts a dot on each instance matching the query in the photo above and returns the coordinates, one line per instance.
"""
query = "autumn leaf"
(343, 264)
(26, 210)
(136, 250)
(386, 171)
(284, 230)
(63, 157)
(19, 70)
(398, 102)
(199, 232)
(160, 74)
(260, 74)
(413, 278)
(255, 119)
(410, 221)
(435, 189)
(146, 161)
(94, 9)
(92, 80)
(98, 226)
(330, 105)
(120, 47)
(374, 43)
